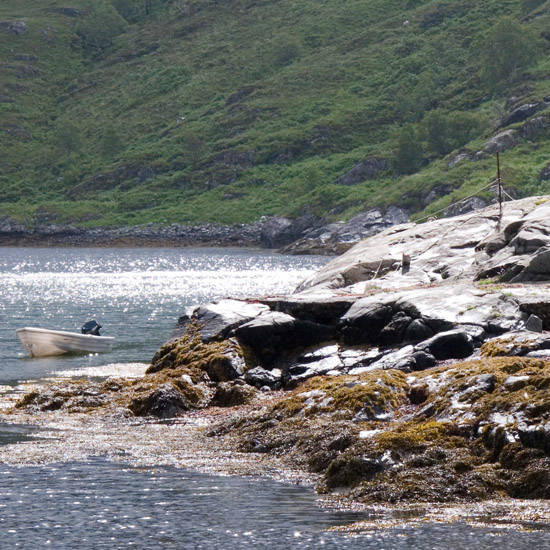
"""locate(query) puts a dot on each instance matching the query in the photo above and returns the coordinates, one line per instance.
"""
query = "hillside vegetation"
(122, 112)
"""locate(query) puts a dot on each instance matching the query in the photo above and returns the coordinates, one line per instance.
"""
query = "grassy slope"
(322, 85)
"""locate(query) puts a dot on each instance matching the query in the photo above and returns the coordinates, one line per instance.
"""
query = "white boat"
(40, 342)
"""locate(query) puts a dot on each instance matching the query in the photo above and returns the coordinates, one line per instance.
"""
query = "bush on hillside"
(100, 29)
(408, 156)
(507, 49)
(445, 132)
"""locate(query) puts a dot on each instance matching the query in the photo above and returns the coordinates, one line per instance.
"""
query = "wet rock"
(357, 358)
(261, 378)
(453, 344)
(483, 383)
(394, 331)
(417, 331)
(423, 360)
(478, 333)
(323, 366)
(163, 402)
(401, 359)
(364, 321)
(323, 310)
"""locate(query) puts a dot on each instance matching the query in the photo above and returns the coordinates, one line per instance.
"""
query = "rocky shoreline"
(413, 368)
(13, 233)
(307, 234)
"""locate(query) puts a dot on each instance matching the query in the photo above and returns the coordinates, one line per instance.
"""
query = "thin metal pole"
(499, 181)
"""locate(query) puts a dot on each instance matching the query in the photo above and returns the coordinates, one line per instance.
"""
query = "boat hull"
(40, 342)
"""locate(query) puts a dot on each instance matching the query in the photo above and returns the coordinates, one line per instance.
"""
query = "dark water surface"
(137, 295)
(97, 504)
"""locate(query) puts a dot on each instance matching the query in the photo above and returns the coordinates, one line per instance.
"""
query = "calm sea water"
(137, 295)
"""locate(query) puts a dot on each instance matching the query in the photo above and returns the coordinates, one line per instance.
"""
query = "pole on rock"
(499, 183)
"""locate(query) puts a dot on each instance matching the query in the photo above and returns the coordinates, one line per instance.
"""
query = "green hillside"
(119, 112)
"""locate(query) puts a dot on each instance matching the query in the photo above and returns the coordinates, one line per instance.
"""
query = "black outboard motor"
(91, 327)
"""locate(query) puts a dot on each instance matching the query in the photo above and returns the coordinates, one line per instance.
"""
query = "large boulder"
(364, 321)
(533, 128)
(364, 170)
(17, 28)
(521, 113)
(501, 142)
(274, 334)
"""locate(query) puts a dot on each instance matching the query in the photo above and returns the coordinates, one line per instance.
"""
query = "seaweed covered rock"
(163, 402)
(74, 396)
(469, 431)
(517, 344)
(232, 394)
(222, 361)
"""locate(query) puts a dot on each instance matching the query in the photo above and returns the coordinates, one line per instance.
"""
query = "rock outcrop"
(414, 366)
(17, 28)
(336, 238)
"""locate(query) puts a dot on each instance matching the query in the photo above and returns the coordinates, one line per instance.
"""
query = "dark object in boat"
(91, 327)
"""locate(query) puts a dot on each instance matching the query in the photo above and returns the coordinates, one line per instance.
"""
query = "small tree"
(508, 48)
(100, 29)
(68, 139)
(111, 143)
(409, 153)
(445, 132)
(129, 9)
(436, 129)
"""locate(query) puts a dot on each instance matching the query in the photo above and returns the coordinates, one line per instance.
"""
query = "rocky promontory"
(414, 367)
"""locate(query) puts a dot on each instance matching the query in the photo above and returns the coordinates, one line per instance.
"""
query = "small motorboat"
(41, 342)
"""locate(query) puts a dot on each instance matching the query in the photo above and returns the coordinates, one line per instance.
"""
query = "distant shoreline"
(147, 236)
